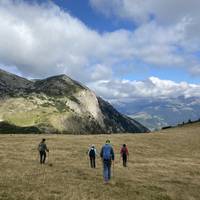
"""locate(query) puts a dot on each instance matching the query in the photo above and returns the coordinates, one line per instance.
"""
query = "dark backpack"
(42, 147)
(92, 153)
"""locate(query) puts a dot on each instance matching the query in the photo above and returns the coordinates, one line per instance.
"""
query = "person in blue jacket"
(107, 156)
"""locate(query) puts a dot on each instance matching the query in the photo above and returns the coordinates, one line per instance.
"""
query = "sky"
(121, 49)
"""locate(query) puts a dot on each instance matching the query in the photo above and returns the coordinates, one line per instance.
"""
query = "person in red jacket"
(124, 154)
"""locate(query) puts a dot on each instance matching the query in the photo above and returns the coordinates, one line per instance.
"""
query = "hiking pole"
(44, 174)
(120, 159)
(48, 157)
(38, 156)
(50, 164)
(87, 159)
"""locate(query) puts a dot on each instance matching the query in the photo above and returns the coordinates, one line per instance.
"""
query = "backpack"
(42, 147)
(92, 152)
(107, 152)
(124, 151)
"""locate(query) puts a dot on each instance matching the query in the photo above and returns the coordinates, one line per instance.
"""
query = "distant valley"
(157, 113)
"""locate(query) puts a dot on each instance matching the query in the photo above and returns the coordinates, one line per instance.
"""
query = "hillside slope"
(58, 105)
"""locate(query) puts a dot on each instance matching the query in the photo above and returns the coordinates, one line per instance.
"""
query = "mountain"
(156, 113)
(57, 104)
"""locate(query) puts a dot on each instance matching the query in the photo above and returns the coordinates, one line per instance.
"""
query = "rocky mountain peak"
(12, 83)
(58, 85)
(58, 104)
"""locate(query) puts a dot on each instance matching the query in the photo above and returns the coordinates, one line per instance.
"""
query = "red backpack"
(124, 151)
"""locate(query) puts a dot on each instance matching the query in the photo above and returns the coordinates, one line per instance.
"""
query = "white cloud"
(101, 72)
(136, 10)
(153, 87)
(42, 40)
(165, 11)
(168, 31)
(157, 44)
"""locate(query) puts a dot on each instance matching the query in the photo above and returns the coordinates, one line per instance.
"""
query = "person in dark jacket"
(124, 154)
(107, 156)
(42, 148)
(92, 153)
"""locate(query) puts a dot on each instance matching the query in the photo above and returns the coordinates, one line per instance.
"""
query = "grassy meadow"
(162, 166)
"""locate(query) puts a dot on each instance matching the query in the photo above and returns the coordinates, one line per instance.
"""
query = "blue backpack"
(107, 152)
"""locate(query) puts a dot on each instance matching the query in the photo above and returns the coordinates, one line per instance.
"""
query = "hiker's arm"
(113, 155)
(101, 153)
(46, 148)
(95, 152)
(127, 153)
(88, 152)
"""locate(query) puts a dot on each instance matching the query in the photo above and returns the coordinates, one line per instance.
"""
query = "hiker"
(92, 153)
(124, 154)
(107, 155)
(42, 148)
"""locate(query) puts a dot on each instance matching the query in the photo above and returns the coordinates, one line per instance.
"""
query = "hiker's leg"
(44, 156)
(94, 164)
(124, 160)
(91, 165)
(109, 169)
(105, 170)
(41, 155)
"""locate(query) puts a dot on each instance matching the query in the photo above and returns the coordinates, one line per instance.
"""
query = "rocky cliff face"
(58, 105)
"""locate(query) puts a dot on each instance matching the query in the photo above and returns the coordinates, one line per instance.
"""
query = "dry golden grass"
(162, 166)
